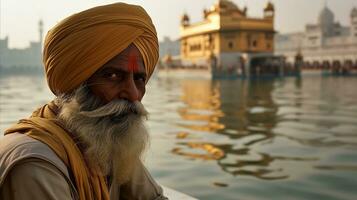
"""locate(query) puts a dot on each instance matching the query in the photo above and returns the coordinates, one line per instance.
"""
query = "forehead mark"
(133, 61)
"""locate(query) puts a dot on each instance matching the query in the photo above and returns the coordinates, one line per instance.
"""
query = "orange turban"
(79, 45)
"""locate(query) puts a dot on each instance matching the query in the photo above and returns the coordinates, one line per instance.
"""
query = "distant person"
(87, 143)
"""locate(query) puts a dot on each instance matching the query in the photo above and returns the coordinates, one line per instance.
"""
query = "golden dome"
(227, 4)
(185, 17)
(269, 7)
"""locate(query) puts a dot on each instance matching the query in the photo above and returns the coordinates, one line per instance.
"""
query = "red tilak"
(133, 64)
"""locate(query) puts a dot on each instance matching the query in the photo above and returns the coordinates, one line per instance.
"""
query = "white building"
(169, 51)
(27, 58)
(169, 47)
(327, 42)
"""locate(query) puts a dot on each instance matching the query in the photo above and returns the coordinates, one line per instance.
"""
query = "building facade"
(22, 59)
(169, 47)
(224, 35)
(321, 45)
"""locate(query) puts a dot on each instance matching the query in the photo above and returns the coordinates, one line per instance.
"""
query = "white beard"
(114, 135)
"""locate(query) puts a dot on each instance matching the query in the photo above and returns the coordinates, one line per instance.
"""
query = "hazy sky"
(19, 18)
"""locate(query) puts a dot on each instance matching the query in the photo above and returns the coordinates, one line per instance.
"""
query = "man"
(87, 143)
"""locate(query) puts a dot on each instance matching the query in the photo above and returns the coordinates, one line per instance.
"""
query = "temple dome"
(269, 7)
(226, 4)
(185, 19)
(326, 17)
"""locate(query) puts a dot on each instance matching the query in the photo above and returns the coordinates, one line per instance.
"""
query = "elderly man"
(87, 143)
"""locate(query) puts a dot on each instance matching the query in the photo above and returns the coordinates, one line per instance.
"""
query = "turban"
(82, 43)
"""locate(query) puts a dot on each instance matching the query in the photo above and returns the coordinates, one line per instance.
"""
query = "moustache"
(117, 110)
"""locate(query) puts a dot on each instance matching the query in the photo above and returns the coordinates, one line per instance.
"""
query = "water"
(234, 139)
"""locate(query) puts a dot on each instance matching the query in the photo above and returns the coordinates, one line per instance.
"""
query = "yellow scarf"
(43, 126)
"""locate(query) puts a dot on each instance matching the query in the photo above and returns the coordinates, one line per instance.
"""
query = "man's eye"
(140, 78)
(112, 76)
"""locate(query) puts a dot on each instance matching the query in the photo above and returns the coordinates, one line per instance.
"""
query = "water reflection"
(238, 123)
(202, 104)
(240, 111)
(210, 151)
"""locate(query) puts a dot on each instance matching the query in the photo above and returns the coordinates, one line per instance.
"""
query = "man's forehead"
(129, 59)
(131, 51)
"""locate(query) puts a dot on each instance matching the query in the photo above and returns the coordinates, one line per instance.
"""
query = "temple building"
(225, 35)
(322, 45)
(169, 47)
(27, 59)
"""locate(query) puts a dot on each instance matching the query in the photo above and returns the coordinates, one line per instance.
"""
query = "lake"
(291, 138)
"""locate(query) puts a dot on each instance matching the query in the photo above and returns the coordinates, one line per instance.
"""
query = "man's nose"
(129, 90)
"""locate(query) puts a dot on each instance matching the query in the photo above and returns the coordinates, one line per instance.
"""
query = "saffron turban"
(82, 43)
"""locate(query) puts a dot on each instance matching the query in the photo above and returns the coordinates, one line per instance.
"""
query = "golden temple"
(224, 35)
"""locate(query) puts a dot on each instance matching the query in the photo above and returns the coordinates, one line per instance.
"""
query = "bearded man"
(87, 144)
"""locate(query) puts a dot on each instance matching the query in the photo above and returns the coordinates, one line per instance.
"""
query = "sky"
(19, 18)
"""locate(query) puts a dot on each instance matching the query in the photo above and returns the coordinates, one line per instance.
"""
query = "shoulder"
(21, 145)
(33, 178)
(16, 147)
(26, 161)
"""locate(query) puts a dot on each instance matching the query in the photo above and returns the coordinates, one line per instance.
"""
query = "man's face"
(123, 77)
